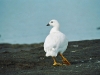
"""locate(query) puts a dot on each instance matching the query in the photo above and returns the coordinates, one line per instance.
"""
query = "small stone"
(90, 58)
(98, 62)
(82, 61)
(76, 66)
(75, 45)
(80, 64)
(73, 51)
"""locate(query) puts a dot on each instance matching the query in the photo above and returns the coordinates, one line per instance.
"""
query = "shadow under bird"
(56, 43)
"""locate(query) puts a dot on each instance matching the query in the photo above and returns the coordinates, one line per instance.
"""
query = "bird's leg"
(65, 61)
(55, 63)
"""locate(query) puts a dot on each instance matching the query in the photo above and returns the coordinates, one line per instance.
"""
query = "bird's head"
(53, 23)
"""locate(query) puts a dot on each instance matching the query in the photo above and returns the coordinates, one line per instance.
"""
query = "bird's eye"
(51, 21)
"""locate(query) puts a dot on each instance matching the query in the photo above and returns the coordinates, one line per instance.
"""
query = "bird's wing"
(53, 41)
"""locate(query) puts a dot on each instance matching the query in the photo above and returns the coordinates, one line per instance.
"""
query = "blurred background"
(24, 21)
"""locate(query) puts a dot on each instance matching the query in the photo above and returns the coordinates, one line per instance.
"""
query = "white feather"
(55, 42)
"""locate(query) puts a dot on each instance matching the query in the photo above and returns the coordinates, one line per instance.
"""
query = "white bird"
(56, 42)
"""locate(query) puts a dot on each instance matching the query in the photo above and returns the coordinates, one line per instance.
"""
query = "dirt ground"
(29, 59)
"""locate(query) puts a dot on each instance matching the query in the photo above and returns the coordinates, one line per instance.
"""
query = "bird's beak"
(48, 24)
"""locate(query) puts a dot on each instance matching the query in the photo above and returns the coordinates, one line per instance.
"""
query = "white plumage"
(56, 41)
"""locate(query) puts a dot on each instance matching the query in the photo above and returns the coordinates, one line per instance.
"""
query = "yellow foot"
(57, 64)
(65, 61)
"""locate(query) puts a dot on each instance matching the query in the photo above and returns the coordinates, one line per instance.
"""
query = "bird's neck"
(54, 29)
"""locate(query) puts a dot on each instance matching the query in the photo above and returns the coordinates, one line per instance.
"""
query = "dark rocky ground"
(25, 59)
